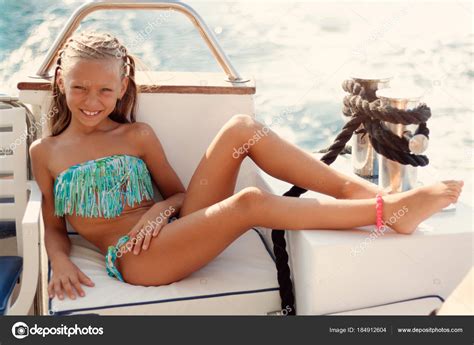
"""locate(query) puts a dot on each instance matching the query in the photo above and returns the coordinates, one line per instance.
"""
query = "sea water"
(298, 53)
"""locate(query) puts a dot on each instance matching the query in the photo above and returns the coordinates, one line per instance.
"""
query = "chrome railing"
(99, 5)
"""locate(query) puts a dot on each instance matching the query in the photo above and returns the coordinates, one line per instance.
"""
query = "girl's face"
(92, 88)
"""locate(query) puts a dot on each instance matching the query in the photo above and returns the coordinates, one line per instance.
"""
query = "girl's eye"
(106, 89)
(79, 87)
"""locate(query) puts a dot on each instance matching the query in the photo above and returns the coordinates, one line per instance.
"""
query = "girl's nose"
(92, 101)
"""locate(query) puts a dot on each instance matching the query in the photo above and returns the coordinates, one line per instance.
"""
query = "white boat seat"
(242, 280)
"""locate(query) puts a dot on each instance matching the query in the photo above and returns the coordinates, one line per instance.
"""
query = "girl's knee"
(242, 124)
(242, 120)
(250, 198)
(243, 131)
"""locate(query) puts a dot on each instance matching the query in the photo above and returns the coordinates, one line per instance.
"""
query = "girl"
(96, 168)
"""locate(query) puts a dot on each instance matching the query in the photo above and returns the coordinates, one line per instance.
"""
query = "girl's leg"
(190, 242)
(242, 136)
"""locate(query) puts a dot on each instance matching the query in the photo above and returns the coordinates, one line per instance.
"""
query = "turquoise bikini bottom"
(117, 251)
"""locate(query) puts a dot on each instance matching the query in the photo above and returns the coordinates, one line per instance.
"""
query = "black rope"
(364, 109)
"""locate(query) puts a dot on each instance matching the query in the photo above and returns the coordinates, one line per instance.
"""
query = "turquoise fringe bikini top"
(101, 187)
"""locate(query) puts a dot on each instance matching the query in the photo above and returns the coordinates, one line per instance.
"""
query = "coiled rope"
(367, 112)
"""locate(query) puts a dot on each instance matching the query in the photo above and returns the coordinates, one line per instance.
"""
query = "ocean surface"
(298, 52)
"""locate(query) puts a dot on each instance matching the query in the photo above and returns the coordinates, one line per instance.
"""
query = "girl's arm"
(56, 239)
(152, 221)
(66, 275)
(174, 204)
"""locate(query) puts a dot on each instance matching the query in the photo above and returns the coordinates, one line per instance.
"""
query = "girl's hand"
(148, 227)
(67, 275)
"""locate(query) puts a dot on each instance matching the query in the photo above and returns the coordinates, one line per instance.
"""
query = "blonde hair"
(93, 45)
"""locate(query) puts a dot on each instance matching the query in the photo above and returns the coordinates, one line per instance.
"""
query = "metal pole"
(94, 6)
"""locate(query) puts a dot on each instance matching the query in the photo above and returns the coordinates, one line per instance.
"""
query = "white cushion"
(242, 280)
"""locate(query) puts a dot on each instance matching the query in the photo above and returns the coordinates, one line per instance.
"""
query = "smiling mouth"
(90, 113)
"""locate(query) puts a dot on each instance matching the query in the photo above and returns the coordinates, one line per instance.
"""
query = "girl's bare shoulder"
(137, 127)
(44, 148)
(41, 147)
(40, 155)
(139, 132)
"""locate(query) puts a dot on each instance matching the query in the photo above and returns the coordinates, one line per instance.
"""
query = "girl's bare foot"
(404, 211)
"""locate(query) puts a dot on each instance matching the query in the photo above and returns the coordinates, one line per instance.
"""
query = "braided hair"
(93, 45)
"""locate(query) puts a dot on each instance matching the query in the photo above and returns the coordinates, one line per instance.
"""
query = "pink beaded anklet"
(379, 211)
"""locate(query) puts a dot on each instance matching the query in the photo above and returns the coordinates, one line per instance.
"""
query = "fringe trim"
(101, 187)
